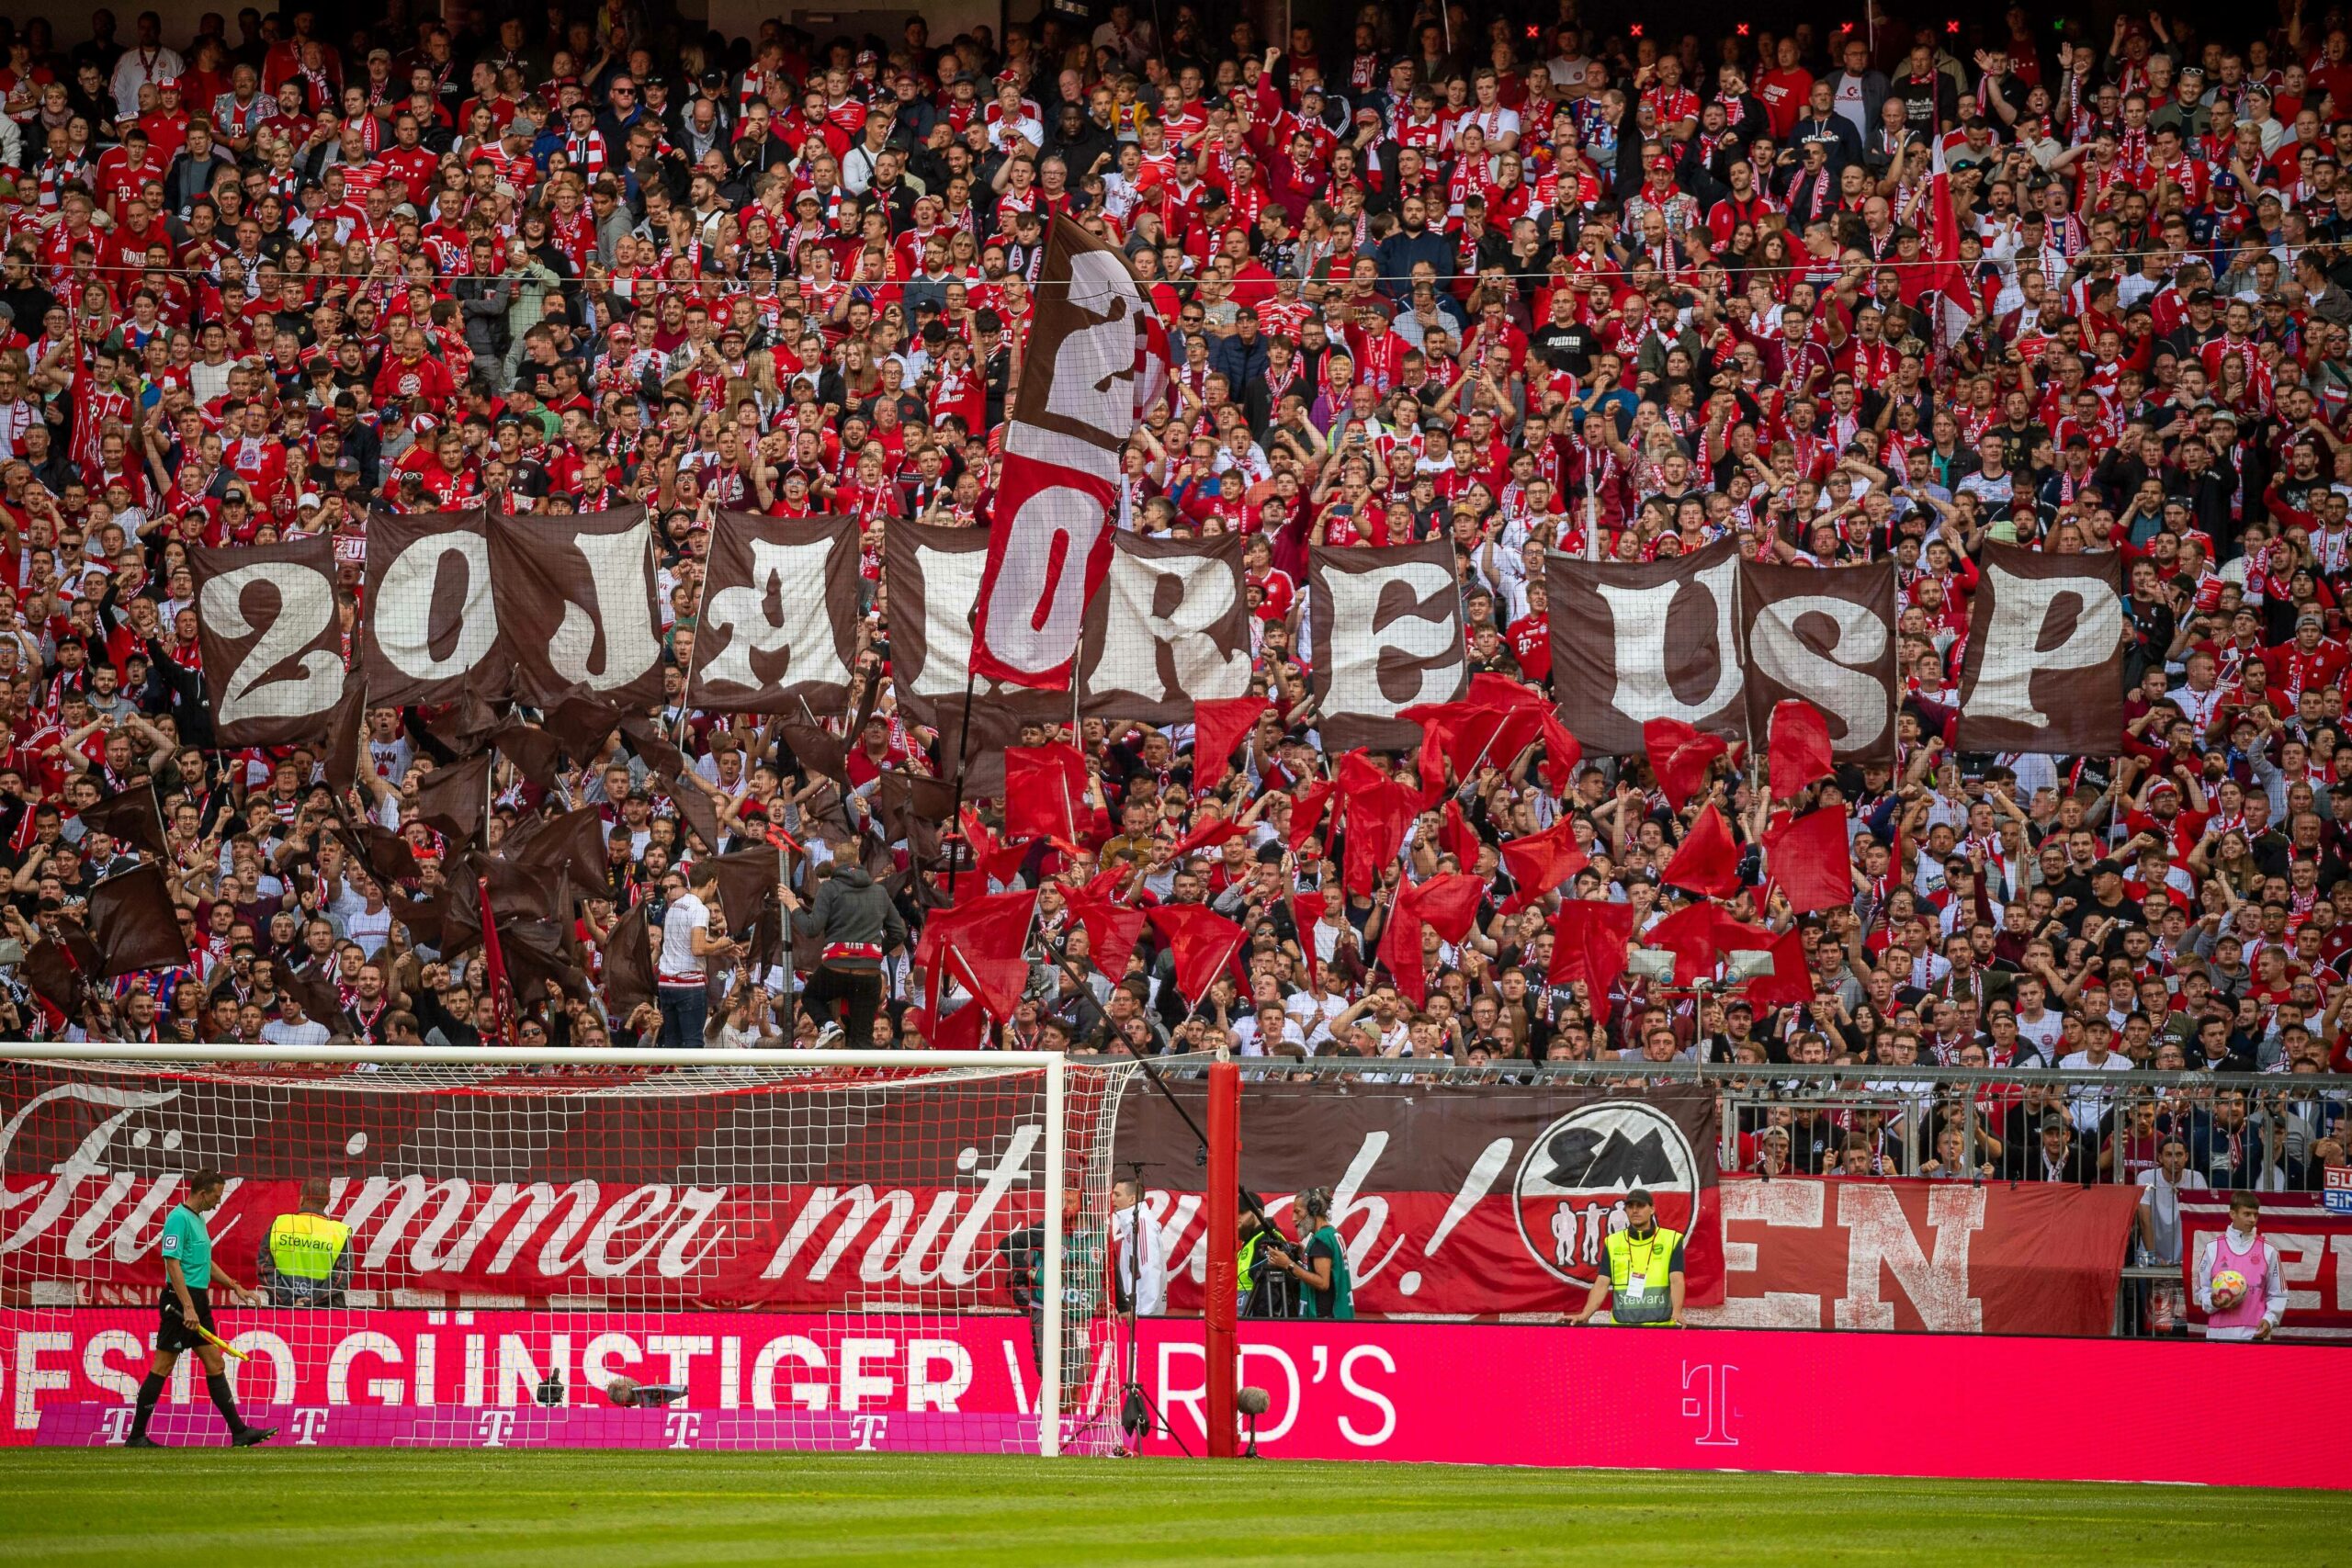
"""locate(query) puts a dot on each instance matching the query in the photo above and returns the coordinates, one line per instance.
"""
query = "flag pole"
(963, 753)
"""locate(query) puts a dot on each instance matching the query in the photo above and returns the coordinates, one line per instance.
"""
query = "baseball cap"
(1640, 1195)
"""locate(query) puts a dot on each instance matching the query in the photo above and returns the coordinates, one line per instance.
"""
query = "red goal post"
(813, 1248)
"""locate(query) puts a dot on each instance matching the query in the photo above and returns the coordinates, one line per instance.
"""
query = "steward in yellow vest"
(306, 1260)
(1645, 1274)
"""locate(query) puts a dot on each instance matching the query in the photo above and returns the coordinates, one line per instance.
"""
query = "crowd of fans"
(1514, 283)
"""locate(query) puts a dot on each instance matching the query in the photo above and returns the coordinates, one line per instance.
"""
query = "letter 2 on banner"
(1075, 410)
(271, 642)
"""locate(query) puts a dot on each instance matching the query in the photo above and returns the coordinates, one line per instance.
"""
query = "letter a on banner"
(1051, 543)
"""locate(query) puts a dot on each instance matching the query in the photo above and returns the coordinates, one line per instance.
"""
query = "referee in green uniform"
(187, 1302)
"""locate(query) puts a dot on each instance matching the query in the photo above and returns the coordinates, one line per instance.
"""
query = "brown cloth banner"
(579, 604)
(2044, 666)
(271, 640)
(1631, 643)
(1945, 1256)
(1388, 635)
(431, 619)
(934, 576)
(1170, 627)
(135, 923)
(1822, 636)
(1467, 1201)
(778, 624)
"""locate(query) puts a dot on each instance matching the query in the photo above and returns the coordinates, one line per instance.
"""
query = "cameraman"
(1264, 1287)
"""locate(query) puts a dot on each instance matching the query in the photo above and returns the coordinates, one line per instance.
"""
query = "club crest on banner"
(1570, 1191)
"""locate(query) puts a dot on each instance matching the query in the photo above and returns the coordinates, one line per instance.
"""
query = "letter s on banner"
(1380, 1434)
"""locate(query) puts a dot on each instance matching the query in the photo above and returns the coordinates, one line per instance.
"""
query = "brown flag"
(1826, 638)
(465, 727)
(451, 800)
(60, 972)
(135, 923)
(319, 996)
(819, 750)
(581, 720)
(1387, 626)
(628, 963)
(345, 726)
(779, 615)
(696, 813)
(1169, 627)
(537, 954)
(1631, 643)
(645, 739)
(537, 754)
(933, 574)
(2044, 666)
(572, 844)
(432, 620)
(747, 882)
(386, 854)
(130, 818)
(271, 640)
(578, 604)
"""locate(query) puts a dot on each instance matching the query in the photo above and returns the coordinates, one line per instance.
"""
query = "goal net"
(889, 1251)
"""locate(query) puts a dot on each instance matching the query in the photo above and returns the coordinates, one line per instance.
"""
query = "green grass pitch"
(357, 1508)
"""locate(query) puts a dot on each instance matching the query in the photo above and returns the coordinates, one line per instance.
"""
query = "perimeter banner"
(1453, 1200)
(1946, 1256)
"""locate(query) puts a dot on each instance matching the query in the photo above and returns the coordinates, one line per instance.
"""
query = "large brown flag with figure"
(432, 622)
(1825, 637)
(778, 624)
(1050, 544)
(2044, 666)
(934, 576)
(270, 638)
(130, 818)
(579, 604)
(1169, 627)
(1387, 636)
(1637, 642)
(135, 923)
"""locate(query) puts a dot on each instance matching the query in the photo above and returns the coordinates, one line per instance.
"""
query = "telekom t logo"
(868, 1430)
(496, 1426)
(309, 1425)
(115, 1425)
(1706, 1399)
(682, 1427)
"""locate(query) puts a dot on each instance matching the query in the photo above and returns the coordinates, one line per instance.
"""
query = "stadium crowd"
(1493, 278)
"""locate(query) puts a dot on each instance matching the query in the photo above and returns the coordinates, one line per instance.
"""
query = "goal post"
(747, 1249)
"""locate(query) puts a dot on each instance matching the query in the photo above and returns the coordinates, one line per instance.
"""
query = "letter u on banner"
(1631, 643)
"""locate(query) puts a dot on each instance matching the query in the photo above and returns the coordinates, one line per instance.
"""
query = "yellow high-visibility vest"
(1645, 1302)
(307, 1247)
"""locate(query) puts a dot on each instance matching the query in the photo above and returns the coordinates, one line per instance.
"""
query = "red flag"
(1306, 811)
(1799, 747)
(1708, 861)
(1211, 832)
(1540, 862)
(1044, 790)
(1589, 945)
(1457, 838)
(1447, 905)
(1112, 931)
(1562, 754)
(1809, 857)
(1792, 977)
(1379, 810)
(1305, 909)
(1219, 727)
(493, 958)
(1202, 941)
(1699, 936)
(980, 943)
(1489, 727)
(1679, 756)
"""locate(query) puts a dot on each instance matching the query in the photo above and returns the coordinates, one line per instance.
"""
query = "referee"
(186, 1304)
